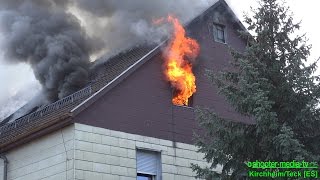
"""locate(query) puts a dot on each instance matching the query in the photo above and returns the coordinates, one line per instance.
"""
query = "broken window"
(175, 94)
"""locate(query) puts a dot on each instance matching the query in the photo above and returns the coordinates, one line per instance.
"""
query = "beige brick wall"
(102, 154)
(47, 158)
(81, 152)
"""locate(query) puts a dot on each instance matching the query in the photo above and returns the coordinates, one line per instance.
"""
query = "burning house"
(134, 117)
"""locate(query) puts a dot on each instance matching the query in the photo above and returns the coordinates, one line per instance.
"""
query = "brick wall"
(47, 158)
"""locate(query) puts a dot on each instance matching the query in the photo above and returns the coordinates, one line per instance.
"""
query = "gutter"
(5, 166)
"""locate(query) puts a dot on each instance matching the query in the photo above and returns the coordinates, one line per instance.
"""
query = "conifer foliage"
(274, 85)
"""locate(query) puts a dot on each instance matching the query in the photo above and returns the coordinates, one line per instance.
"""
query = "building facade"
(79, 152)
(123, 125)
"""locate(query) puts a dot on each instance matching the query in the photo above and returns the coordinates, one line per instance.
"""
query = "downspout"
(173, 122)
(5, 166)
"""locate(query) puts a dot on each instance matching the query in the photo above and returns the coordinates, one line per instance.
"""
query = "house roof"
(104, 78)
(59, 110)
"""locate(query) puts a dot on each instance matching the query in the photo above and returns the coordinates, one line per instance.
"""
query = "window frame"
(219, 27)
(190, 100)
(158, 174)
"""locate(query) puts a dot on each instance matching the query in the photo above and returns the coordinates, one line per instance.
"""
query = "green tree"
(272, 85)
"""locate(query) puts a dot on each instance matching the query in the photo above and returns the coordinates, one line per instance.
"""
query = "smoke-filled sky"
(98, 27)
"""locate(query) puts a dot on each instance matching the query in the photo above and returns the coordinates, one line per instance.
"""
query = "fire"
(177, 67)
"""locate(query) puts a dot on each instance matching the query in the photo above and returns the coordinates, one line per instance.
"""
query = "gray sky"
(15, 78)
(304, 10)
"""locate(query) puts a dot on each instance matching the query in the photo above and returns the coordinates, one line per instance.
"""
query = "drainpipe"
(5, 166)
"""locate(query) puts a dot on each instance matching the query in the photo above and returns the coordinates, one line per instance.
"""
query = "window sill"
(221, 42)
(184, 106)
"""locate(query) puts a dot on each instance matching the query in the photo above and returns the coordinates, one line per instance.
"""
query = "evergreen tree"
(272, 85)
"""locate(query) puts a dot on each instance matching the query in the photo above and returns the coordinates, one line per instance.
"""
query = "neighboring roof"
(106, 76)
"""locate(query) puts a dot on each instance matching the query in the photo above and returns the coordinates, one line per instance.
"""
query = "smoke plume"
(51, 40)
(125, 23)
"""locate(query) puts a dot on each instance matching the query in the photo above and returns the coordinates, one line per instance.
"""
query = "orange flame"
(178, 70)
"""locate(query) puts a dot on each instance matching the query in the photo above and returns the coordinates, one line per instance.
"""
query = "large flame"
(178, 68)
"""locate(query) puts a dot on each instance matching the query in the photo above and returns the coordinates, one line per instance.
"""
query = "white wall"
(48, 158)
(81, 152)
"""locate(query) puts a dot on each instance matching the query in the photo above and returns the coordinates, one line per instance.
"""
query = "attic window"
(219, 33)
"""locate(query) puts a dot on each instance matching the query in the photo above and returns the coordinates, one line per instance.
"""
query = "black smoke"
(44, 35)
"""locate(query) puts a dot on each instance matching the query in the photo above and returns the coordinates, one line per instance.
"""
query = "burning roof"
(57, 38)
(106, 74)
